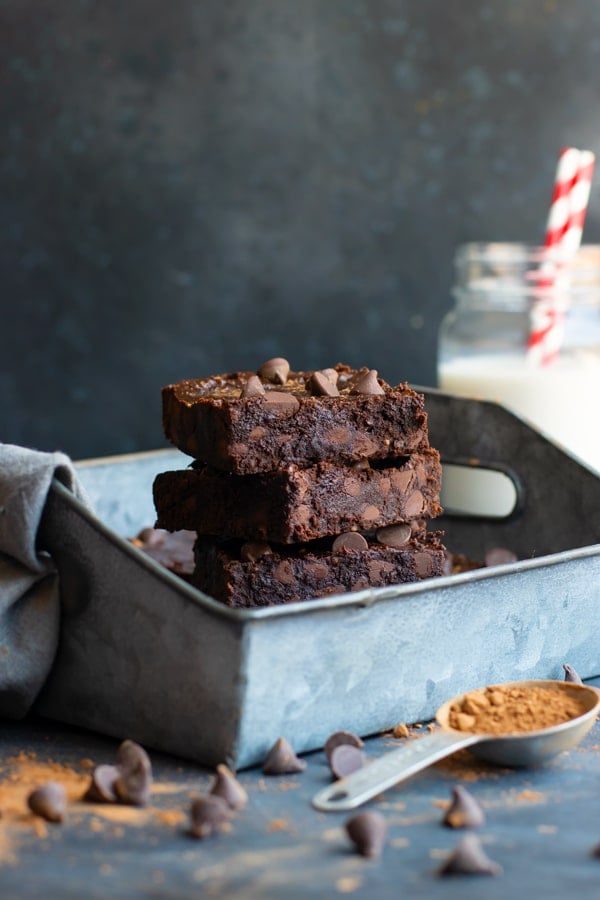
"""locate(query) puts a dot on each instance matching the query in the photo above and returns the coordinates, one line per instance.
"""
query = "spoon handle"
(389, 769)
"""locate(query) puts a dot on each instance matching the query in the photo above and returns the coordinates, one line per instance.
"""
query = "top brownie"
(247, 422)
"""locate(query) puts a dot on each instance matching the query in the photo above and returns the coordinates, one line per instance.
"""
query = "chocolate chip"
(469, 858)
(208, 814)
(253, 388)
(281, 759)
(361, 465)
(252, 551)
(571, 675)
(367, 384)
(414, 504)
(319, 385)
(345, 759)
(341, 737)
(102, 785)
(49, 801)
(394, 535)
(350, 540)
(464, 811)
(275, 370)
(227, 787)
(284, 401)
(499, 556)
(134, 782)
(331, 374)
(367, 830)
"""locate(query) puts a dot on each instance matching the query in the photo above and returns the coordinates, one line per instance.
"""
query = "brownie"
(254, 574)
(247, 423)
(295, 505)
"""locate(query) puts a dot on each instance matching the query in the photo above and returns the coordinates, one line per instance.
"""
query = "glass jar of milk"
(484, 341)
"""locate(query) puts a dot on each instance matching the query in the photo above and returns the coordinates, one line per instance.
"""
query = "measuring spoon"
(525, 748)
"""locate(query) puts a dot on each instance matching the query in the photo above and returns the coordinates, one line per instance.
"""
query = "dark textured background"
(193, 186)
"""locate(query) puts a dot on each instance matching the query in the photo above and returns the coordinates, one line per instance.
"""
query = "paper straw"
(564, 230)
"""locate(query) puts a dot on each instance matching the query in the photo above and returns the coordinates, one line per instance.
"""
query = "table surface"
(541, 826)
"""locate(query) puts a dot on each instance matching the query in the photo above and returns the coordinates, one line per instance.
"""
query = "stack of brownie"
(302, 483)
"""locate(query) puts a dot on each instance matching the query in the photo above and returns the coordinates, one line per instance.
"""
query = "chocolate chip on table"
(102, 785)
(464, 811)
(367, 384)
(571, 675)
(208, 814)
(49, 801)
(345, 759)
(253, 388)
(498, 556)
(394, 535)
(320, 385)
(469, 858)
(252, 551)
(134, 781)
(275, 370)
(341, 737)
(350, 540)
(227, 787)
(281, 759)
(367, 831)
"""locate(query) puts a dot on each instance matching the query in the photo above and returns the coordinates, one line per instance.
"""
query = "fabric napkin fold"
(29, 596)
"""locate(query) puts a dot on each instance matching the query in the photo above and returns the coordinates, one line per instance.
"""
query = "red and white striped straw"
(564, 229)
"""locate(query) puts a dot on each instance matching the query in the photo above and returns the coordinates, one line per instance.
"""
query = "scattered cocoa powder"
(506, 709)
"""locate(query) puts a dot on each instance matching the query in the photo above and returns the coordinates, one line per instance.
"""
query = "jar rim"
(588, 255)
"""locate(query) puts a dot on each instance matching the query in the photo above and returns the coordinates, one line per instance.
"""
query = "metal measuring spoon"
(526, 748)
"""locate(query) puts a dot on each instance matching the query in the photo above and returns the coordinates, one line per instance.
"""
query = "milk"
(562, 400)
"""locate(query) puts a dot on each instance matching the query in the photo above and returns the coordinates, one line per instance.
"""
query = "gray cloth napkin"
(29, 599)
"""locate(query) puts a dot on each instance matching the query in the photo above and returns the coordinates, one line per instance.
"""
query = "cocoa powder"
(507, 709)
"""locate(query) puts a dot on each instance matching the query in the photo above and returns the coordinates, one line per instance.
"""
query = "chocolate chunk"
(423, 565)
(228, 788)
(571, 674)
(464, 811)
(281, 759)
(320, 385)
(367, 830)
(102, 785)
(414, 505)
(367, 384)
(252, 551)
(350, 540)
(469, 858)
(275, 370)
(280, 400)
(499, 556)
(341, 737)
(208, 814)
(345, 759)
(134, 781)
(361, 465)
(394, 535)
(173, 550)
(49, 801)
(253, 388)
(596, 851)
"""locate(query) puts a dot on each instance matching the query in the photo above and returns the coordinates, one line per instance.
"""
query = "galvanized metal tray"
(144, 655)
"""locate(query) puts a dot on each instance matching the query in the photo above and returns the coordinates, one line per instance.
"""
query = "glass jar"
(490, 347)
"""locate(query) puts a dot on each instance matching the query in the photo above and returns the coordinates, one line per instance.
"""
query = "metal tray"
(144, 655)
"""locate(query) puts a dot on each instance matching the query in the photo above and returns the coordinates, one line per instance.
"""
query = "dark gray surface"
(541, 826)
(193, 187)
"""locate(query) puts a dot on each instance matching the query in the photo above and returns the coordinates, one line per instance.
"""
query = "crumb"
(278, 825)
(401, 730)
